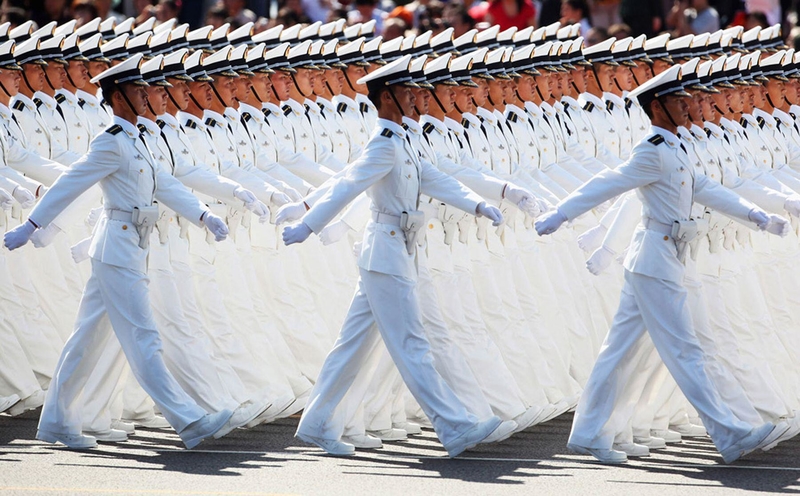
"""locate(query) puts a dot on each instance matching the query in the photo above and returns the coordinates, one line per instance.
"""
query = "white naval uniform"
(385, 303)
(653, 302)
(98, 114)
(116, 296)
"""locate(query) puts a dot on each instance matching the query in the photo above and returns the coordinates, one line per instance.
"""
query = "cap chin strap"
(255, 93)
(27, 83)
(294, 80)
(766, 93)
(400, 108)
(127, 100)
(438, 102)
(539, 92)
(216, 93)
(669, 114)
(347, 78)
(597, 79)
(172, 99)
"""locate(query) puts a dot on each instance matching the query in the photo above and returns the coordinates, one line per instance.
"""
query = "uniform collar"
(685, 134)
(454, 125)
(48, 100)
(588, 97)
(618, 101)
(70, 96)
(254, 112)
(392, 126)
(716, 131)
(327, 103)
(170, 120)
(782, 116)
(547, 108)
(568, 101)
(534, 110)
(794, 109)
(669, 138)
(414, 127)
(296, 106)
(346, 100)
(210, 114)
(312, 106)
(129, 129)
(698, 132)
(750, 118)
(764, 115)
(150, 126)
(271, 107)
(471, 118)
(187, 117)
(5, 112)
(558, 106)
(484, 114)
(510, 107)
(24, 99)
(232, 114)
(363, 99)
(436, 123)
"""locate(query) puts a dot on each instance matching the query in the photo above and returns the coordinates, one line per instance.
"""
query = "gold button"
(666, 238)
(392, 233)
(124, 227)
(409, 176)
(683, 182)
(141, 170)
(430, 226)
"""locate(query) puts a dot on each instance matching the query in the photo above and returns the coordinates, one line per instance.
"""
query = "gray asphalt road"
(269, 460)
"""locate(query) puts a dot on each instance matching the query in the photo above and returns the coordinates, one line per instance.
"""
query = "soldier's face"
(243, 85)
(96, 68)
(695, 106)
(509, 87)
(496, 90)
(604, 75)
(157, 97)
(735, 99)
(624, 77)
(642, 71)
(57, 74)
(791, 90)
(446, 96)
(280, 82)
(406, 98)
(303, 78)
(34, 73)
(423, 98)
(180, 93)
(137, 95)
(354, 73)
(335, 79)
(10, 80)
(776, 90)
(260, 84)
(480, 93)
(543, 83)
(707, 105)
(525, 86)
(464, 99)
(678, 108)
(577, 78)
(202, 93)
(226, 88)
(660, 66)
(78, 73)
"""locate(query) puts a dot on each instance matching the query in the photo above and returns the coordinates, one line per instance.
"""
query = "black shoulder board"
(465, 123)
(211, 122)
(428, 128)
(656, 139)
(60, 98)
(708, 132)
(141, 127)
(81, 102)
(387, 133)
(341, 107)
(267, 112)
(513, 117)
(246, 116)
(38, 102)
(321, 107)
(191, 124)
(286, 109)
(793, 116)
(18, 105)
(363, 107)
(161, 123)
(115, 129)
(760, 121)
(743, 122)
(405, 126)
(609, 105)
(628, 103)
(588, 107)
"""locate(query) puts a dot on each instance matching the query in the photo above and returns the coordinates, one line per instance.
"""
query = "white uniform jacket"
(659, 167)
(392, 174)
(129, 177)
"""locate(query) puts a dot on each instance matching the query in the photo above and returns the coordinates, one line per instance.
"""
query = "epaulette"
(363, 107)
(465, 123)
(793, 116)
(161, 123)
(191, 124)
(428, 128)
(18, 105)
(387, 133)
(38, 102)
(405, 126)
(760, 121)
(211, 122)
(286, 109)
(141, 127)
(656, 139)
(115, 129)
(609, 105)
(321, 106)
(246, 116)
(743, 122)
(628, 103)
(267, 112)
(81, 102)
(341, 107)
(708, 132)
(60, 98)
(513, 117)
(588, 107)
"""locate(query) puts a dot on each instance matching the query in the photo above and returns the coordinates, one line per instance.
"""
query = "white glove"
(44, 237)
(293, 194)
(759, 218)
(549, 222)
(530, 207)
(600, 260)
(778, 225)
(6, 200)
(296, 233)
(94, 216)
(792, 205)
(592, 238)
(490, 212)
(280, 199)
(290, 213)
(334, 232)
(244, 195)
(25, 198)
(80, 251)
(19, 236)
(216, 226)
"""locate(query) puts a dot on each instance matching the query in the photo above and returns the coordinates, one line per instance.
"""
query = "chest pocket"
(407, 180)
(142, 173)
(682, 186)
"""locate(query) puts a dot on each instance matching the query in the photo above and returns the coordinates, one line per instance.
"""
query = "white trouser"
(657, 308)
(384, 306)
(121, 295)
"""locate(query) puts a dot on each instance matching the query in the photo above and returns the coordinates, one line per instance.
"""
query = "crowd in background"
(599, 19)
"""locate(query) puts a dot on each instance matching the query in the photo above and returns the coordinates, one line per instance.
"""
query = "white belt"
(122, 215)
(659, 227)
(381, 218)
